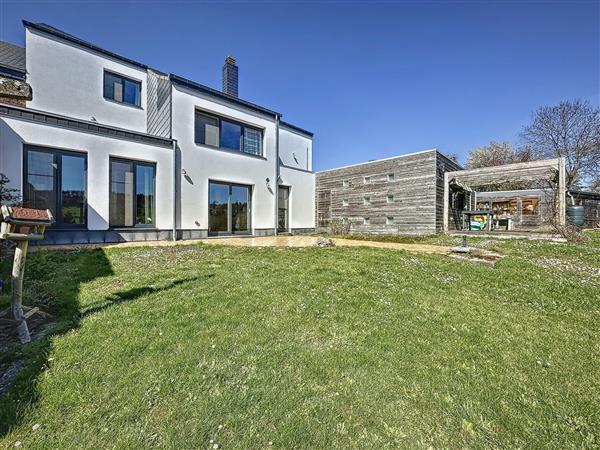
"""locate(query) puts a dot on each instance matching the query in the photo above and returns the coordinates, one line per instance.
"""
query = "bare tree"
(571, 130)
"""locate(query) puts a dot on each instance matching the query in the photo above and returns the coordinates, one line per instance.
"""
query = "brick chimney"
(230, 77)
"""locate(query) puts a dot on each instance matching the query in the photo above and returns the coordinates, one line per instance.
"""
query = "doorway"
(283, 209)
(228, 208)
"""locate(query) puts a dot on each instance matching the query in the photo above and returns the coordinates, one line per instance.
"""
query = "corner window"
(390, 198)
(390, 220)
(391, 176)
(122, 89)
(367, 200)
(345, 202)
(367, 180)
(56, 180)
(224, 133)
(132, 193)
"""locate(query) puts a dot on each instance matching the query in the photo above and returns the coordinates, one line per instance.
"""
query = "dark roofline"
(295, 128)
(85, 126)
(75, 40)
(176, 79)
(12, 72)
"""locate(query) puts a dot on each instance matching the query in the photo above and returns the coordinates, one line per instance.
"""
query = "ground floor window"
(56, 180)
(228, 208)
(132, 193)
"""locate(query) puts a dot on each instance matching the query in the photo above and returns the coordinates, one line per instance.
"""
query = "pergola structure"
(549, 169)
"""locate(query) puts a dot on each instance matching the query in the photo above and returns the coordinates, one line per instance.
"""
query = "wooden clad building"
(403, 194)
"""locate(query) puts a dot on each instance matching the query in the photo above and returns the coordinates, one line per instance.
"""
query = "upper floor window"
(345, 202)
(122, 89)
(367, 180)
(367, 200)
(391, 176)
(224, 133)
(390, 198)
(345, 183)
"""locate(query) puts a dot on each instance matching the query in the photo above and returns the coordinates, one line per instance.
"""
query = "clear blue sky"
(370, 79)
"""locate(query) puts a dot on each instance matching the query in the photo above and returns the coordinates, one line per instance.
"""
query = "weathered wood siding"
(414, 187)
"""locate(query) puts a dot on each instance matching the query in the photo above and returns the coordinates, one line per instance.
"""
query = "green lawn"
(195, 346)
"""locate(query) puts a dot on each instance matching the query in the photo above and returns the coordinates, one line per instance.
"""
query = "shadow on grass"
(53, 281)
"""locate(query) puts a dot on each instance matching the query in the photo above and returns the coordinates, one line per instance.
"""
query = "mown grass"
(192, 346)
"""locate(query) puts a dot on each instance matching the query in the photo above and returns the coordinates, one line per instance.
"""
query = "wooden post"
(562, 193)
(16, 306)
(446, 195)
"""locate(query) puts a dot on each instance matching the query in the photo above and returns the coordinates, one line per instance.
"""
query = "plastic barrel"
(576, 215)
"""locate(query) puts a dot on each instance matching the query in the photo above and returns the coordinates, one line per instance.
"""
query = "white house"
(120, 151)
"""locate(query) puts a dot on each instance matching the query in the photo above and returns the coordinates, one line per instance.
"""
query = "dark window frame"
(229, 231)
(123, 78)
(242, 126)
(134, 163)
(57, 182)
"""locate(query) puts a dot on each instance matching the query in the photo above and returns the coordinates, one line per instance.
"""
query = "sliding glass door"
(228, 208)
(56, 180)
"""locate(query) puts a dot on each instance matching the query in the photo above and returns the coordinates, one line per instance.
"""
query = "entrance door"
(283, 204)
(228, 208)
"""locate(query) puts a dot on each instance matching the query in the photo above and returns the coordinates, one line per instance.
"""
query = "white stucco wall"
(69, 80)
(15, 132)
(295, 149)
(202, 163)
(302, 197)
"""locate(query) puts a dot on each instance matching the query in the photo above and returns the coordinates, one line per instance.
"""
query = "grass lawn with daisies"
(202, 346)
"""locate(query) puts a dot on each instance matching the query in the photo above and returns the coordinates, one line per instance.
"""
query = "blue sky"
(370, 79)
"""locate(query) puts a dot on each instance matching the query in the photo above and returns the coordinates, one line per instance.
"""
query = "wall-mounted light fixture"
(268, 181)
(183, 172)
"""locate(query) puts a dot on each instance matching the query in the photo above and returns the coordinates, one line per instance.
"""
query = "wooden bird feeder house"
(22, 225)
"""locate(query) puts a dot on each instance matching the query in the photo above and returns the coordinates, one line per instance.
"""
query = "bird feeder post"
(22, 225)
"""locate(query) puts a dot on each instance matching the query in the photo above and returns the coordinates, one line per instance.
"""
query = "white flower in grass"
(35, 427)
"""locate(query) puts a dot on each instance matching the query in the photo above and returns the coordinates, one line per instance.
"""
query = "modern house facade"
(399, 195)
(121, 151)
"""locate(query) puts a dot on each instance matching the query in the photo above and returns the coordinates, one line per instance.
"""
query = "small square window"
(345, 183)
(366, 221)
(367, 180)
(390, 220)
(345, 202)
(391, 176)
(390, 198)
(367, 200)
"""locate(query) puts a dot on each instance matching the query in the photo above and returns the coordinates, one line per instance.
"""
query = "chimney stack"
(230, 77)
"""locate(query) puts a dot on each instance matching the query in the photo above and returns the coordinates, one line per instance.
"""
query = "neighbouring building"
(121, 151)
(402, 195)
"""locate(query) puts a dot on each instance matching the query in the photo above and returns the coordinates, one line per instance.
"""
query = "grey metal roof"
(85, 126)
(12, 59)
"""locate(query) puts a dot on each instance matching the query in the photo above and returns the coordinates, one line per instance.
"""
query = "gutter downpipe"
(174, 237)
(276, 182)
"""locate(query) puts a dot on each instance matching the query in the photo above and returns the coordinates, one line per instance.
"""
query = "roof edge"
(44, 28)
(380, 160)
(296, 128)
(176, 79)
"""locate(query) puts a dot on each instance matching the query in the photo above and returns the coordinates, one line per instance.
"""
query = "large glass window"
(122, 89)
(224, 133)
(132, 193)
(228, 208)
(56, 180)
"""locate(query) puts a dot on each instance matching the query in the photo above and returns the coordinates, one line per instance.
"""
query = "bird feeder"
(22, 225)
